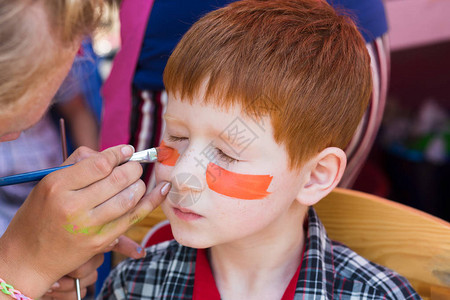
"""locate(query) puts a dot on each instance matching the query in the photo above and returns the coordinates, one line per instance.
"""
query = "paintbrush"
(146, 156)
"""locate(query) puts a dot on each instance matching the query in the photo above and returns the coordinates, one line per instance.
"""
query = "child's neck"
(262, 266)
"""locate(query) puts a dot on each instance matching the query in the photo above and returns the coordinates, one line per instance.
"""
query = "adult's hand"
(73, 214)
(65, 287)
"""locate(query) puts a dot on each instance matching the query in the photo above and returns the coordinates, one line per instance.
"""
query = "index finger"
(78, 155)
(95, 167)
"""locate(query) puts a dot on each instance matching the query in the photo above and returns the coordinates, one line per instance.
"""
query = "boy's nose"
(184, 182)
(188, 181)
(189, 172)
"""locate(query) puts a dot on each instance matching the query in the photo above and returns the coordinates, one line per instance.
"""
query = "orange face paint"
(169, 156)
(242, 186)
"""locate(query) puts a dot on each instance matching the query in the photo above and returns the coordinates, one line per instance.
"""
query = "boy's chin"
(188, 240)
(193, 245)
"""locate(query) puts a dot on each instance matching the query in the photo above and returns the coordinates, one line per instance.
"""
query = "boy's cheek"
(162, 172)
(236, 185)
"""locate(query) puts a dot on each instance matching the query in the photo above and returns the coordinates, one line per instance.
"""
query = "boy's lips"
(185, 214)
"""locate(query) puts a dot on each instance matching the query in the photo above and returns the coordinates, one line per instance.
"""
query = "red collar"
(205, 286)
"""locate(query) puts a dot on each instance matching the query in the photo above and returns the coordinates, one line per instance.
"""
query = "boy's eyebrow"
(229, 135)
(172, 119)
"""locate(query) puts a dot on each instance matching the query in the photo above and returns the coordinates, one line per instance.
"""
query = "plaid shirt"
(329, 270)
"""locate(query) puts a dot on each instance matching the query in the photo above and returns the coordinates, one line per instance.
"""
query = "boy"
(263, 97)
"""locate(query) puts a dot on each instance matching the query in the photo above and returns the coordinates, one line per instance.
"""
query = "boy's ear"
(324, 171)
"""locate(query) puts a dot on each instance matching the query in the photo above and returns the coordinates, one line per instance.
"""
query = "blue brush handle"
(27, 177)
(145, 156)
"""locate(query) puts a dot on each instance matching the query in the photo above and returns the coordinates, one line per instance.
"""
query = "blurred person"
(39, 147)
(74, 214)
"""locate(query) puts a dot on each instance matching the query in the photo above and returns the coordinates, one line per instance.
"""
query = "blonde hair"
(34, 35)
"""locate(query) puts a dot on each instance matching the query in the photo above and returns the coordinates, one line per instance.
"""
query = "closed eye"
(173, 138)
(225, 157)
(220, 153)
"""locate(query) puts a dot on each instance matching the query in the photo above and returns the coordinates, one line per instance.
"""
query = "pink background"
(417, 22)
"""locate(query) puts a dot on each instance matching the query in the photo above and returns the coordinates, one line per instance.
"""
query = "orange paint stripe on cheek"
(242, 186)
(170, 156)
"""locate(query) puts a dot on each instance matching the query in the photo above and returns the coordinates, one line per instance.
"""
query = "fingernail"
(116, 241)
(141, 251)
(127, 150)
(55, 285)
(165, 189)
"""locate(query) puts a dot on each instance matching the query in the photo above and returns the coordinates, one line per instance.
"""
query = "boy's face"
(231, 180)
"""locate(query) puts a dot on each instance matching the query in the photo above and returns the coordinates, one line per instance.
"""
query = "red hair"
(297, 61)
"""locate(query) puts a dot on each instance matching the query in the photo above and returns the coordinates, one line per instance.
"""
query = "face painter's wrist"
(18, 270)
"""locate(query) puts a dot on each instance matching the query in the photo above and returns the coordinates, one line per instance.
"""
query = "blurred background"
(409, 162)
